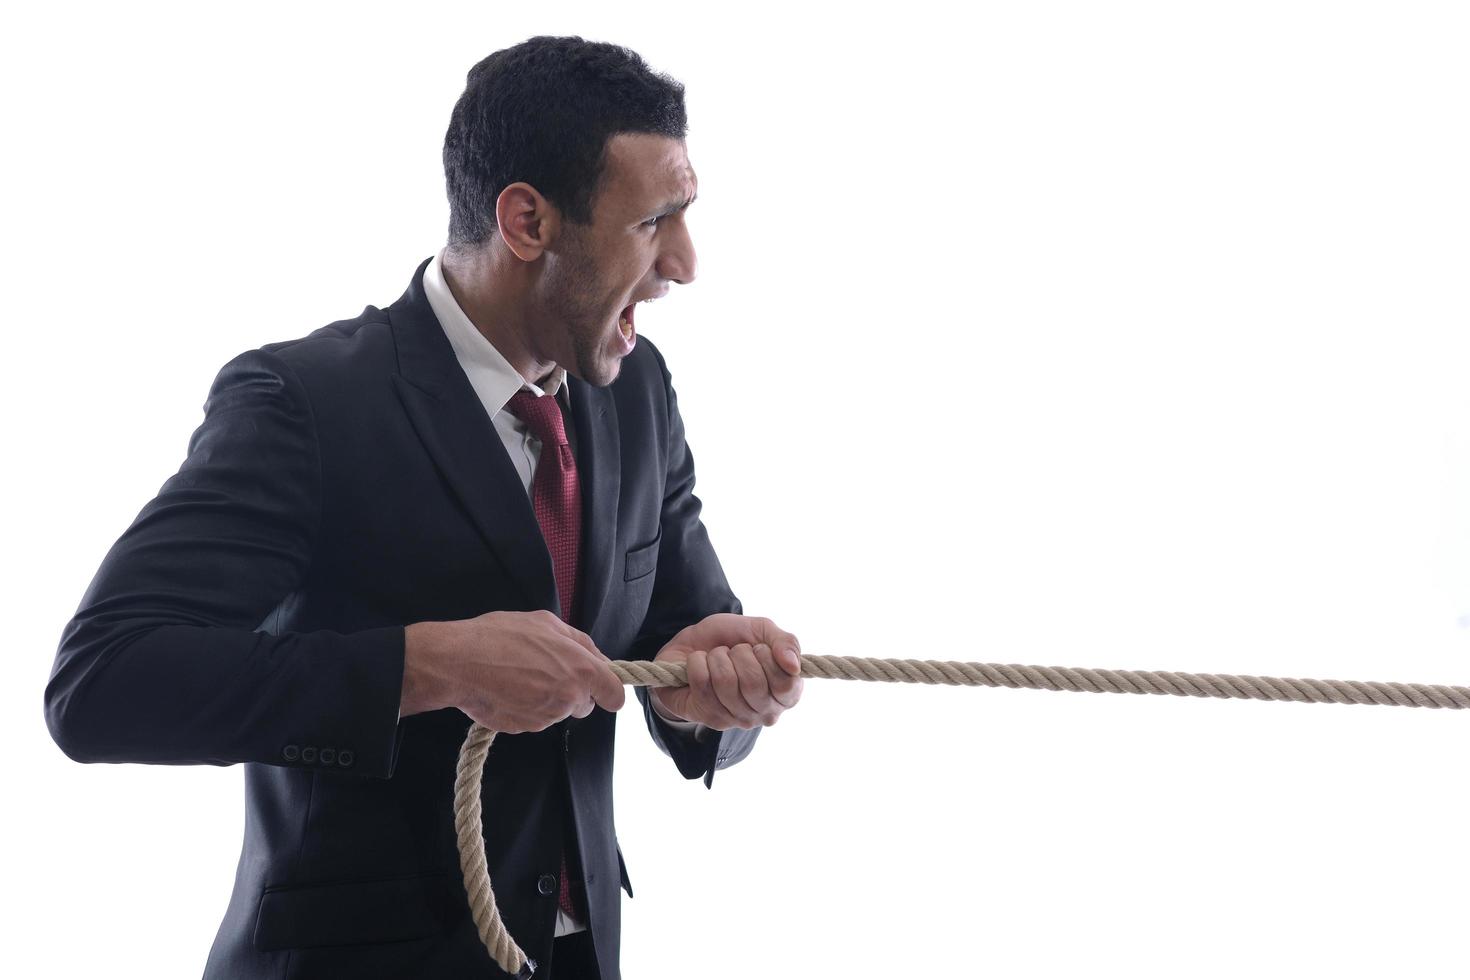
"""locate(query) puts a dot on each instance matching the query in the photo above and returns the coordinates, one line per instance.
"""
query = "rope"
(467, 813)
(647, 673)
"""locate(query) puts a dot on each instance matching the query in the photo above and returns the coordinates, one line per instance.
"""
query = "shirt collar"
(490, 374)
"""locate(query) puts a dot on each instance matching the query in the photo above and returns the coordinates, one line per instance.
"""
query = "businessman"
(457, 508)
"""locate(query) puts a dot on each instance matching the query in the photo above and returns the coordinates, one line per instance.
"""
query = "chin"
(602, 374)
(612, 374)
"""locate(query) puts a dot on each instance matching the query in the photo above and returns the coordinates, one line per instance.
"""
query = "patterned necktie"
(556, 496)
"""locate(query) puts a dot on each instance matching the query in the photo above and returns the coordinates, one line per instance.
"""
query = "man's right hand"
(510, 671)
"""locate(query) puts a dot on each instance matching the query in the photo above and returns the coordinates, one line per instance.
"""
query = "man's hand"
(510, 671)
(743, 672)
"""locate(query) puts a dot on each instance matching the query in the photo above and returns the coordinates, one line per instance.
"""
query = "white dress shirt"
(495, 381)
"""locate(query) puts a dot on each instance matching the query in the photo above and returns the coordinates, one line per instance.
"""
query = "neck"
(494, 293)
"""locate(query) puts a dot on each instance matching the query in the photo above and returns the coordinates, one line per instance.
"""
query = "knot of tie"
(542, 416)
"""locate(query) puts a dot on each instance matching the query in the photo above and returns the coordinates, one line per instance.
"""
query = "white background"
(1126, 335)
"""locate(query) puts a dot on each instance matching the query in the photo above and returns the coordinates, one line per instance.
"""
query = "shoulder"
(344, 352)
(336, 360)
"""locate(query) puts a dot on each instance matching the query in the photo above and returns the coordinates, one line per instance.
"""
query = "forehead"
(646, 170)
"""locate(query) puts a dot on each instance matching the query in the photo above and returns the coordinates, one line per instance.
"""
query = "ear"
(528, 223)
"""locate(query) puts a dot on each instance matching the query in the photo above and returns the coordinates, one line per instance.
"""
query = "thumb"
(609, 692)
(790, 660)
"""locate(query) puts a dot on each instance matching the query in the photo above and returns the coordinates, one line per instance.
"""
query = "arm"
(168, 659)
(689, 585)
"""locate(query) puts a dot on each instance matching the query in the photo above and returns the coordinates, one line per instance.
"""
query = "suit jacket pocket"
(642, 559)
(352, 913)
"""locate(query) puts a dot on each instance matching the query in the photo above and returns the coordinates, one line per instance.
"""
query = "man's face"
(636, 245)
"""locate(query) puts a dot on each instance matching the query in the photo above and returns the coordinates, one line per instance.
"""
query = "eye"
(651, 222)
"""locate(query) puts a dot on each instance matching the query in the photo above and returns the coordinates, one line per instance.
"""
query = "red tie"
(556, 497)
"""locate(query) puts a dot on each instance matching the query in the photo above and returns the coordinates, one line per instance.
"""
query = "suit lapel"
(452, 423)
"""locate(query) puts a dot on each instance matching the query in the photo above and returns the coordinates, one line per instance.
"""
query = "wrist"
(420, 691)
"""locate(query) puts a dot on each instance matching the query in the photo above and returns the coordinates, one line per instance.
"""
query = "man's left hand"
(743, 672)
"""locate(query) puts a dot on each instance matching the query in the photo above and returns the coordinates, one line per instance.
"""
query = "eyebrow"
(673, 206)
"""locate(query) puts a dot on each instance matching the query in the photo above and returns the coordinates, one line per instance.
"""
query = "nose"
(677, 260)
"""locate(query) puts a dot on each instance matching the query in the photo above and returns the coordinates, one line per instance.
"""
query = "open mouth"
(625, 322)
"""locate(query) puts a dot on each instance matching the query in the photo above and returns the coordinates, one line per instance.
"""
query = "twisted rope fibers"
(646, 673)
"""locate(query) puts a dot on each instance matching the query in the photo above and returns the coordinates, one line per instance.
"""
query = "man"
(458, 508)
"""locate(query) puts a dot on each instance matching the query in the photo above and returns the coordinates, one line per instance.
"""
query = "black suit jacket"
(342, 486)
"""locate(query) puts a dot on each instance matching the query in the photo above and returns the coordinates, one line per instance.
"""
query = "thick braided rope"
(650, 674)
(467, 814)
(646, 673)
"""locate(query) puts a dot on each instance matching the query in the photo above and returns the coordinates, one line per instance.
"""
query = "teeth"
(625, 327)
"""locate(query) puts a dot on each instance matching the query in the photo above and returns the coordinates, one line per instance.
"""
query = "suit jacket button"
(328, 756)
(546, 884)
(308, 755)
(291, 753)
(344, 757)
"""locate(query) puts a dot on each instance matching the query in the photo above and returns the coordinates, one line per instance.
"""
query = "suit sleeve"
(689, 585)
(167, 659)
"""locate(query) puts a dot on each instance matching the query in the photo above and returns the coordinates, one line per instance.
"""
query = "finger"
(587, 644)
(608, 690)
(670, 700)
(582, 638)
(706, 704)
(755, 685)
(605, 686)
(786, 646)
(725, 684)
(759, 677)
(785, 690)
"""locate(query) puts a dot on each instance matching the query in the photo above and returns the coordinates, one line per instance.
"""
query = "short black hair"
(542, 112)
